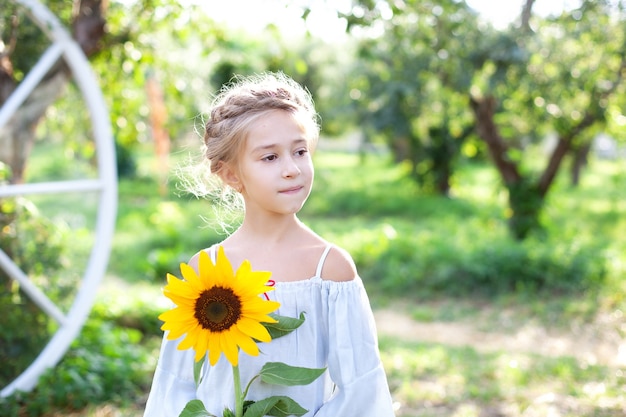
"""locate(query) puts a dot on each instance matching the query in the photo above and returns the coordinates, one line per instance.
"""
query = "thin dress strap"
(320, 265)
(212, 253)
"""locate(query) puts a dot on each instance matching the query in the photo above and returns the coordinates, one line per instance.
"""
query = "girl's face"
(275, 170)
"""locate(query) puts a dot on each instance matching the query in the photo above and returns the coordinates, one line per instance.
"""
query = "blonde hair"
(244, 101)
(237, 106)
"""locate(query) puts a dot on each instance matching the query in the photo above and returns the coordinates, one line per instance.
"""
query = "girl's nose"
(290, 168)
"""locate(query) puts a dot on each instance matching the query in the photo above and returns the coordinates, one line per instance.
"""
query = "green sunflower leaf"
(195, 408)
(284, 326)
(279, 373)
(278, 406)
(197, 370)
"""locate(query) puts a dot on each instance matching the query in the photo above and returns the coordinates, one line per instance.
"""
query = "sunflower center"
(217, 309)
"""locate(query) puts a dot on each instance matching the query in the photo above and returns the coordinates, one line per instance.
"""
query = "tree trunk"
(579, 160)
(526, 203)
(525, 200)
(18, 135)
(442, 154)
(563, 147)
(484, 110)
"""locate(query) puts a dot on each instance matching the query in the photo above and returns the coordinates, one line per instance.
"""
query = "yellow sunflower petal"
(181, 323)
(172, 314)
(180, 287)
(181, 301)
(258, 278)
(259, 306)
(217, 310)
(252, 291)
(229, 347)
(206, 269)
(254, 329)
(247, 344)
(223, 265)
(190, 276)
(201, 345)
(255, 281)
(180, 312)
(174, 333)
(203, 342)
(198, 355)
(190, 340)
(214, 349)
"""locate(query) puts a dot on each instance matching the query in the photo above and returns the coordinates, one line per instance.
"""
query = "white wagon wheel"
(105, 185)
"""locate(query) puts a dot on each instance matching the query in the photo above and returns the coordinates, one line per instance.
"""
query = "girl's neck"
(270, 231)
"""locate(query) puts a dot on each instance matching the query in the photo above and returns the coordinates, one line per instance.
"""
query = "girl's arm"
(353, 360)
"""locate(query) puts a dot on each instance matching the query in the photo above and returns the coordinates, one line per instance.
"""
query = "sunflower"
(219, 311)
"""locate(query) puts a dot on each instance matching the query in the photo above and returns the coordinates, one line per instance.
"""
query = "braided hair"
(245, 100)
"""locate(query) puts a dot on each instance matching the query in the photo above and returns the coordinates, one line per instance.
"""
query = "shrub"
(36, 246)
(106, 363)
(410, 266)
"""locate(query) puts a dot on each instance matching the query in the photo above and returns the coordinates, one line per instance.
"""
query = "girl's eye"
(269, 158)
(301, 152)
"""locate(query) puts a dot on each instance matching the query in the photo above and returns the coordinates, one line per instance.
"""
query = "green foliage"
(37, 246)
(429, 245)
(25, 332)
(284, 325)
(561, 75)
(155, 235)
(126, 165)
(32, 40)
(279, 406)
(416, 79)
(132, 311)
(278, 373)
(489, 267)
(195, 408)
(105, 363)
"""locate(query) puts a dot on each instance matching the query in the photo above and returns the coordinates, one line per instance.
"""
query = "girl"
(259, 139)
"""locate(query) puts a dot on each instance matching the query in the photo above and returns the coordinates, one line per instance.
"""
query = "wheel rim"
(70, 323)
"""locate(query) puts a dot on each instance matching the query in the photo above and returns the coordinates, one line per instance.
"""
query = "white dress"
(339, 333)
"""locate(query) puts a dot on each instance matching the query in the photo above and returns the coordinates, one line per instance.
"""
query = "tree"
(17, 137)
(413, 82)
(559, 77)
(126, 42)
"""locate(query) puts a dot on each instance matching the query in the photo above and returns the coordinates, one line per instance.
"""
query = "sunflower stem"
(238, 393)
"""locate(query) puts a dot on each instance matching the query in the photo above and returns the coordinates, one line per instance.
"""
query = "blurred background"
(472, 160)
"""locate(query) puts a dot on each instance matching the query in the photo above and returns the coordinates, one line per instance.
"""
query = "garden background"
(475, 170)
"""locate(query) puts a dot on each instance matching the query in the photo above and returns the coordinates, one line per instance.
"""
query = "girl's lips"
(291, 190)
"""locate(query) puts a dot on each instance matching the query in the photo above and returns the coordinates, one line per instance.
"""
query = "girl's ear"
(228, 174)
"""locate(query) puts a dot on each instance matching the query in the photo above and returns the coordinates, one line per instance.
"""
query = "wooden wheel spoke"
(104, 186)
(33, 292)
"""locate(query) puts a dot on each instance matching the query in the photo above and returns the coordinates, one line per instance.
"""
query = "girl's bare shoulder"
(339, 266)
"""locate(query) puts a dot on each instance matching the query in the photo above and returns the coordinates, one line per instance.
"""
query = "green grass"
(437, 380)
(432, 258)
